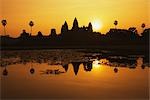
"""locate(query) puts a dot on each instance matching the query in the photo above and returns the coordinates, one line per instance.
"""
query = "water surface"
(73, 74)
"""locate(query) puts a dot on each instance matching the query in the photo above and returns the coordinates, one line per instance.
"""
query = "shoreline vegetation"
(130, 48)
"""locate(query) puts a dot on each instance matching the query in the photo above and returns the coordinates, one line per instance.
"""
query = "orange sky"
(48, 14)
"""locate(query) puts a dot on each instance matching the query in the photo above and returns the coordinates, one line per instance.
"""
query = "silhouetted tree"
(115, 23)
(32, 70)
(5, 72)
(31, 24)
(116, 70)
(78, 37)
(143, 26)
(4, 22)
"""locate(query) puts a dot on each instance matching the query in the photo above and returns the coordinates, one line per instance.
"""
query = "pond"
(73, 75)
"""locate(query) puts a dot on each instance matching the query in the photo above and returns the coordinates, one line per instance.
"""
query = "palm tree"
(143, 26)
(31, 24)
(4, 22)
(5, 72)
(115, 23)
(32, 69)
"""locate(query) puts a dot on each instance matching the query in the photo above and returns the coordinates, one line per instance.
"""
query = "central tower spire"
(75, 25)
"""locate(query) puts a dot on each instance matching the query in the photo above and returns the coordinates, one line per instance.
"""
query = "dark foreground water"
(73, 75)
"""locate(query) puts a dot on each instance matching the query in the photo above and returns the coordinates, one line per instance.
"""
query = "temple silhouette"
(79, 37)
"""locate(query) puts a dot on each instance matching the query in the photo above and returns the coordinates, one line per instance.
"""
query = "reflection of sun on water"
(96, 64)
(99, 65)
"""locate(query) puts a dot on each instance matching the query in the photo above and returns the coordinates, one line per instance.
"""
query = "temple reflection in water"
(55, 74)
(87, 65)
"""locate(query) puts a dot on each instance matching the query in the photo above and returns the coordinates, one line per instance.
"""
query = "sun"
(97, 25)
(96, 64)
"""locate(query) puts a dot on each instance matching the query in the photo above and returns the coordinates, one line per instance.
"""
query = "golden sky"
(48, 14)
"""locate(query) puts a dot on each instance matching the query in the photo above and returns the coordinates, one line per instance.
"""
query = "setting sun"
(52, 13)
(74, 49)
(97, 25)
